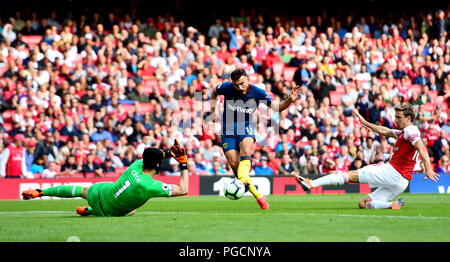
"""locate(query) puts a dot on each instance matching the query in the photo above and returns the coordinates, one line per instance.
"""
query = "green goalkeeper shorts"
(94, 198)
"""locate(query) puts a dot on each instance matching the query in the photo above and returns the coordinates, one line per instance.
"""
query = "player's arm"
(279, 107)
(429, 173)
(179, 153)
(213, 101)
(3, 161)
(382, 130)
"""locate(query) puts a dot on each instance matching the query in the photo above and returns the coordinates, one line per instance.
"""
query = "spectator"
(53, 171)
(129, 156)
(263, 168)
(46, 149)
(216, 169)
(91, 167)
(308, 162)
(325, 88)
(70, 166)
(443, 165)
(107, 166)
(100, 133)
(13, 159)
(349, 99)
(286, 167)
(38, 166)
(29, 153)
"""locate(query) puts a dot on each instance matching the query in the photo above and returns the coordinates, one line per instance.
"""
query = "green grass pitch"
(293, 218)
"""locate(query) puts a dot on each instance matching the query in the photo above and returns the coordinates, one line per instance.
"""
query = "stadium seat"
(8, 126)
(128, 107)
(433, 95)
(253, 78)
(64, 139)
(278, 68)
(3, 69)
(429, 107)
(288, 73)
(7, 115)
(415, 88)
(335, 98)
(147, 107)
(340, 88)
(32, 40)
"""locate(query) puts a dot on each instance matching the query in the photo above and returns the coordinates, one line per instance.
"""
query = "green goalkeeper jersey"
(130, 191)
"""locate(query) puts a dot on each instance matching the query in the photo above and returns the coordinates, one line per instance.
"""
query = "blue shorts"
(230, 142)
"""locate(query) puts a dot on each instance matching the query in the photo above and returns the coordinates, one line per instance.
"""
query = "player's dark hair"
(237, 73)
(152, 158)
(407, 110)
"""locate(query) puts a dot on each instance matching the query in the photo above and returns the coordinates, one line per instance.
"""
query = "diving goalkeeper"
(132, 190)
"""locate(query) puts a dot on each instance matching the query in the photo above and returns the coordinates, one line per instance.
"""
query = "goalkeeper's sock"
(63, 191)
(243, 175)
(377, 204)
(337, 179)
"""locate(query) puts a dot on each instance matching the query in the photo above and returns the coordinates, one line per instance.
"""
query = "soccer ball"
(234, 189)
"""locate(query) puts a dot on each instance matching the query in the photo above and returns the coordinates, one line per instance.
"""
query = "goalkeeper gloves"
(179, 153)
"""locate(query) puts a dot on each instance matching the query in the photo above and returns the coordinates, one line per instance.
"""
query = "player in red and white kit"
(392, 178)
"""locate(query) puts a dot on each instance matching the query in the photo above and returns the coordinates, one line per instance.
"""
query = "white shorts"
(388, 181)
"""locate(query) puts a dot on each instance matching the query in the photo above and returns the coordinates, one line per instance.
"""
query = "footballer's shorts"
(94, 198)
(234, 134)
(388, 181)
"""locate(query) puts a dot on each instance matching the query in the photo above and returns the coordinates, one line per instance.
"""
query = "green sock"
(63, 191)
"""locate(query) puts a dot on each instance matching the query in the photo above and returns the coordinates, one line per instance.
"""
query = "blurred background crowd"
(84, 92)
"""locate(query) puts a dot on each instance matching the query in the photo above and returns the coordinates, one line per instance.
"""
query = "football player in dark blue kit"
(241, 100)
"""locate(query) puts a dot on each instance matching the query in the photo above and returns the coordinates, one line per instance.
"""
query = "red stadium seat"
(8, 126)
(32, 40)
(340, 88)
(147, 107)
(148, 85)
(3, 69)
(128, 107)
(278, 68)
(7, 115)
(415, 88)
(429, 107)
(433, 95)
(335, 98)
(253, 78)
(288, 73)
(64, 139)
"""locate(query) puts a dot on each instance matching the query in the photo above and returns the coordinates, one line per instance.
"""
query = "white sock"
(337, 179)
(377, 204)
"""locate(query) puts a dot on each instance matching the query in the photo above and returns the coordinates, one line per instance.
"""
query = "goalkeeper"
(132, 190)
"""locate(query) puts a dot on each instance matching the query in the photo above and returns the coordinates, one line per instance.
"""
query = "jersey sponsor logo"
(241, 109)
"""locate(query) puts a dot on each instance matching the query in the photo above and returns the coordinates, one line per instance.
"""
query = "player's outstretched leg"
(336, 179)
(57, 191)
(243, 175)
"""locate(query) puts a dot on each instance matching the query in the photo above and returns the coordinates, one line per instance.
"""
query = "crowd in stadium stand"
(86, 95)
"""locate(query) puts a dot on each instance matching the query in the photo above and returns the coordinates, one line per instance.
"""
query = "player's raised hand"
(355, 113)
(295, 92)
(178, 152)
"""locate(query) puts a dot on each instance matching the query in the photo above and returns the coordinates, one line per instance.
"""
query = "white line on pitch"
(235, 213)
